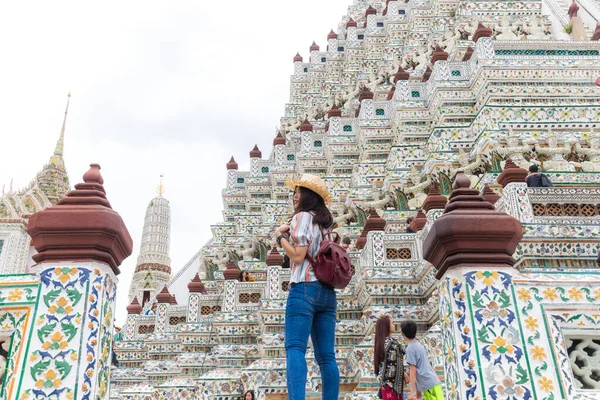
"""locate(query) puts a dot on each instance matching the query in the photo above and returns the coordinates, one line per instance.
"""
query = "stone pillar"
(81, 242)
(515, 200)
(471, 245)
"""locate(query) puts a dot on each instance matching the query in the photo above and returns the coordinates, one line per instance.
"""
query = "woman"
(388, 360)
(246, 276)
(249, 395)
(311, 306)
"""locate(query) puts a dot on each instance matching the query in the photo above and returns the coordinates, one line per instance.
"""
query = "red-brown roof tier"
(82, 226)
(334, 112)
(419, 221)
(481, 31)
(351, 24)
(279, 140)
(332, 35)
(596, 34)
(297, 58)
(468, 53)
(365, 94)
(306, 126)
(134, 307)
(438, 55)
(274, 258)
(573, 8)
(471, 233)
(489, 194)
(232, 164)
(314, 47)
(232, 272)
(434, 200)
(390, 94)
(255, 152)
(164, 296)
(401, 75)
(196, 285)
(511, 173)
(427, 74)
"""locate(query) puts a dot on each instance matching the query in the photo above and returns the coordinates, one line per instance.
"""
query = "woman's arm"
(296, 254)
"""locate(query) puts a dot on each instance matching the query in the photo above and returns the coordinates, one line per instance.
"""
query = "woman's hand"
(282, 230)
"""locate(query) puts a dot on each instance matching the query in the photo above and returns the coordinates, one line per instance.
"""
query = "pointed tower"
(53, 180)
(153, 269)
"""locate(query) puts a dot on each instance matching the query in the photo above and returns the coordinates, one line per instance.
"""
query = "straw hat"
(313, 183)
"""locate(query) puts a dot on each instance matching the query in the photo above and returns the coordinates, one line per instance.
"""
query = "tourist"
(346, 243)
(421, 376)
(152, 310)
(311, 306)
(249, 395)
(537, 179)
(246, 276)
(408, 228)
(388, 360)
(117, 337)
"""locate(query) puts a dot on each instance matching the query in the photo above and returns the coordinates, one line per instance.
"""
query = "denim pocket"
(313, 292)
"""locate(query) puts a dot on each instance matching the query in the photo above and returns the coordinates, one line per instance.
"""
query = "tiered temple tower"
(16, 206)
(153, 269)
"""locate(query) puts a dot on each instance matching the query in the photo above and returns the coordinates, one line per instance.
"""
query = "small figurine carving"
(506, 30)
(515, 152)
(592, 153)
(469, 168)
(418, 189)
(557, 161)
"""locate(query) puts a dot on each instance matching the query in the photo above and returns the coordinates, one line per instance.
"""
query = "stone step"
(345, 388)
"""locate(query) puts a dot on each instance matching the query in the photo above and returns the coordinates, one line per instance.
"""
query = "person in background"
(117, 337)
(246, 276)
(537, 179)
(408, 228)
(311, 305)
(346, 243)
(286, 262)
(152, 310)
(422, 377)
(249, 395)
(388, 360)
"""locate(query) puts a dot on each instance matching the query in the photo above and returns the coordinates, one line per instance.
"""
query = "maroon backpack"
(332, 266)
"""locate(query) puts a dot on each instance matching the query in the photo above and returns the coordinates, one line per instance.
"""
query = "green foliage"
(521, 375)
(45, 331)
(63, 368)
(38, 368)
(568, 29)
(74, 295)
(51, 296)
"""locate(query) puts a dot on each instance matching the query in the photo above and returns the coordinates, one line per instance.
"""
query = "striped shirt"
(304, 233)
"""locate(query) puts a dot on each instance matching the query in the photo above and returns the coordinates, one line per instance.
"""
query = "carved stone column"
(471, 245)
(81, 242)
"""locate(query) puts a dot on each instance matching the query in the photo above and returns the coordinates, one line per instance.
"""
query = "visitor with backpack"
(388, 360)
(536, 178)
(311, 304)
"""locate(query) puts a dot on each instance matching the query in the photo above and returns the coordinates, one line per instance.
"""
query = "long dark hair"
(251, 392)
(382, 332)
(313, 203)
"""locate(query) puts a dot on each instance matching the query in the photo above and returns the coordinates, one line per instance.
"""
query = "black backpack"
(545, 181)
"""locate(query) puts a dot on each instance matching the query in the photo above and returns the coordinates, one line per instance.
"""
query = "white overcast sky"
(171, 87)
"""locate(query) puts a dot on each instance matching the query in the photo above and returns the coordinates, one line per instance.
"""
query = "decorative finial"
(161, 188)
(58, 150)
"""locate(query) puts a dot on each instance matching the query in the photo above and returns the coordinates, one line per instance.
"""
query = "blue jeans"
(311, 310)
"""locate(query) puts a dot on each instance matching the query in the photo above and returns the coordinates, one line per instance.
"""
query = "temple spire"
(160, 190)
(58, 150)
